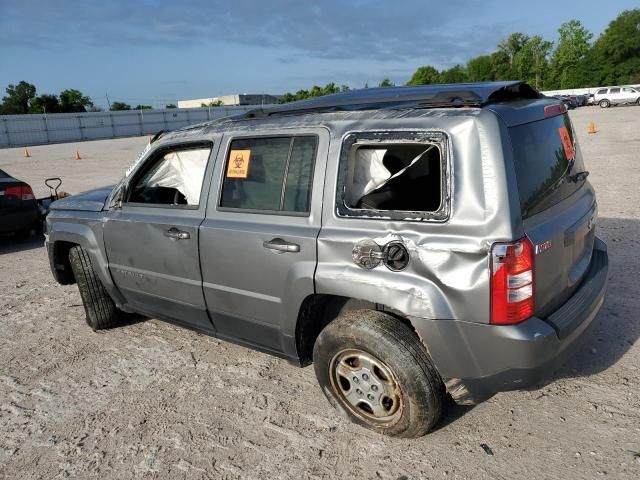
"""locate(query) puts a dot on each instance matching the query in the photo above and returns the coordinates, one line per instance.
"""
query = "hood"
(91, 201)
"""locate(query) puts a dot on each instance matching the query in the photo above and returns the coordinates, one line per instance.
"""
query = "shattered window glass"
(395, 177)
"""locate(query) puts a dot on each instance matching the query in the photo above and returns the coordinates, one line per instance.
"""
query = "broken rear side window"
(401, 177)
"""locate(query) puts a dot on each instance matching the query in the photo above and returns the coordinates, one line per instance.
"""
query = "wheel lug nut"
(370, 397)
(358, 391)
(365, 377)
(374, 388)
(356, 380)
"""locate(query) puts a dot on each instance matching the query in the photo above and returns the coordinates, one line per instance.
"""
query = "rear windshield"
(541, 161)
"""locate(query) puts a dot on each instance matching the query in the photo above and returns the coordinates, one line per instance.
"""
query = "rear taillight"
(21, 192)
(555, 109)
(512, 279)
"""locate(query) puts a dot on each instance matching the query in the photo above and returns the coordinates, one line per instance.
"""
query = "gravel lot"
(150, 400)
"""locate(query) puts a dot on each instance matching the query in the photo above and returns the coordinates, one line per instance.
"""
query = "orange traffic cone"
(592, 128)
(78, 157)
(26, 153)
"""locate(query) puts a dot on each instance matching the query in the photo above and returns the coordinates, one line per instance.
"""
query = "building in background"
(237, 99)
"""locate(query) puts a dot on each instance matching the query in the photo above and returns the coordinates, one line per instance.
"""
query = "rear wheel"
(604, 103)
(101, 311)
(374, 370)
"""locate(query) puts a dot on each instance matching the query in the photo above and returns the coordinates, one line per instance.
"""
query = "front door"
(152, 240)
(258, 240)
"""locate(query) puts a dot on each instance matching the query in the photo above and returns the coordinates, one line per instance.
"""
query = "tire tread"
(101, 312)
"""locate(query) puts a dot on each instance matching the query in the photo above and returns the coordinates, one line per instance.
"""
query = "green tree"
(212, 103)
(117, 106)
(480, 69)
(424, 76)
(386, 83)
(45, 104)
(512, 45)
(571, 51)
(455, 74)
(316, 91)
(18, 98)
(142, 107)
(501, 65)
(532, 61)
(170, 105)
(615, 56)
(72, 100)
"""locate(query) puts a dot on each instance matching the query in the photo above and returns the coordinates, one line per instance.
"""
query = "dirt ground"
(150, 400)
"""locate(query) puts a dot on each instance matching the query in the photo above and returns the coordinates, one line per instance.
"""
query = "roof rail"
(423, 96)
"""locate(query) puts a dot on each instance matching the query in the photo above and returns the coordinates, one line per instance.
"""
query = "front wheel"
(373, 369)
(604, 103)
(101, 311)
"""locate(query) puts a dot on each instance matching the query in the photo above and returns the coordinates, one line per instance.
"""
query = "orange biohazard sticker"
(238, 166)
(566, 143)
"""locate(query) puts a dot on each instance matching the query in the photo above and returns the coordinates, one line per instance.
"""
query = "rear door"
(152, 240)
(615, 95)
(258, 240)
(558, 207)
(629, 95)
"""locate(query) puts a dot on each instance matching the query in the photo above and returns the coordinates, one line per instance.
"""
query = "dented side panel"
(447, 276)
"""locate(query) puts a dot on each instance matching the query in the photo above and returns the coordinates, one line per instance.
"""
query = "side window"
(273, 174)
(173, 177)
(403, 178)
(614, 90)
(602, 91)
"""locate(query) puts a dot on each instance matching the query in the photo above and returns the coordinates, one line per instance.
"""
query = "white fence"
(36, 129)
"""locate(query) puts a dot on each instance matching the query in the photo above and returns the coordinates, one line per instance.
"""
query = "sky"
(159, 51)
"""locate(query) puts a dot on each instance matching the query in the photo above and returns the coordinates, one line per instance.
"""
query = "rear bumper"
(478, 360)
(20, 219)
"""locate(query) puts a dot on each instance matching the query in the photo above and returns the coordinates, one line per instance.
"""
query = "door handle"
(281, 246)
(173, 232)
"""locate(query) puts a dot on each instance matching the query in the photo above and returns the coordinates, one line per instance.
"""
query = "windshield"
(543, 155)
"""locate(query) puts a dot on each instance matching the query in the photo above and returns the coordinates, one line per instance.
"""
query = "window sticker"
(238, 166)
(566, 142)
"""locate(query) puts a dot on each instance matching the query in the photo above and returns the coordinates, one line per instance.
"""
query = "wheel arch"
(318, 310)
(64, 235)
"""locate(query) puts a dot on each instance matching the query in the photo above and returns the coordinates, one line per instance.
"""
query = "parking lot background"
(151, 400)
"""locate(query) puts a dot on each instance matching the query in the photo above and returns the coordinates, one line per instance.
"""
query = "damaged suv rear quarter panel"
(447, 276)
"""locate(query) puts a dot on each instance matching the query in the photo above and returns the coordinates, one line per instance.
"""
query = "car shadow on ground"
(617, 328)
(10, 243)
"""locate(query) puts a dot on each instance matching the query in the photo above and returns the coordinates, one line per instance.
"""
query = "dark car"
(18, 206)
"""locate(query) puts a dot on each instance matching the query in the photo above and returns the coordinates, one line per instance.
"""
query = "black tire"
(421, 391)
(101, 312)
(604, 103)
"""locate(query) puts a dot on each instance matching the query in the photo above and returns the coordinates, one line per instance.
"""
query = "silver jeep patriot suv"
(410, 242)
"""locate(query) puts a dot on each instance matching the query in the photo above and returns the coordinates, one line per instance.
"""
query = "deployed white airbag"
(368, 174)
(183, 171)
